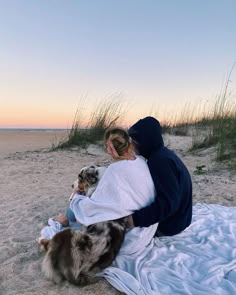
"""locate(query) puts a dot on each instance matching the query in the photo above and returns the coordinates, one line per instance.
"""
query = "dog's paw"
(42, 243)
(71, 196)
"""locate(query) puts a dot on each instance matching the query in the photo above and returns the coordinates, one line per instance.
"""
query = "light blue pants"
(70, 215)
(72, 220)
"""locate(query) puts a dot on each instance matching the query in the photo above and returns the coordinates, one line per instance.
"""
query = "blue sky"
(156, 53)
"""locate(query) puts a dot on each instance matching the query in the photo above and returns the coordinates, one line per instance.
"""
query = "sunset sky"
(158, 55)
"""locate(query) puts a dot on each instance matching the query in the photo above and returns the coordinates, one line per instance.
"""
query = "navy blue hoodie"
(172, 206)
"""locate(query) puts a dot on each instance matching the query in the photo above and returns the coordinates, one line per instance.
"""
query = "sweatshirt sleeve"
(96, 209)
(168, 197)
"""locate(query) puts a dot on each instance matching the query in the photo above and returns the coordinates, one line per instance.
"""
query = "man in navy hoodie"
(172, 206)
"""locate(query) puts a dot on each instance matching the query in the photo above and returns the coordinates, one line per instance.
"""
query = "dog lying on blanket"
(76, 256)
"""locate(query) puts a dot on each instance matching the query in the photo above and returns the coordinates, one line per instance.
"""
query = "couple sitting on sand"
(154, 188)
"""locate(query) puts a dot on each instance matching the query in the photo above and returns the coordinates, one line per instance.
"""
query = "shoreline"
(34, 130)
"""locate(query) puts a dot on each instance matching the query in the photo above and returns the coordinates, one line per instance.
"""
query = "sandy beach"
(35, 184)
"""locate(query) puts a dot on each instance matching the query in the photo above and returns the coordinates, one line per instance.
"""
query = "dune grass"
(215, 128)
(220, 126)
(213, 125)
(106, 113)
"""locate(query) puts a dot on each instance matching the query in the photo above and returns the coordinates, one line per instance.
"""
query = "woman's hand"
(62, 219)
(111, 150)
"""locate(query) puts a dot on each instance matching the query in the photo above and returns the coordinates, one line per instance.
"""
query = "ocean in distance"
(33, 129)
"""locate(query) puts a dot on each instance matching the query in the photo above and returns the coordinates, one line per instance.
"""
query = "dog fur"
(76, 256)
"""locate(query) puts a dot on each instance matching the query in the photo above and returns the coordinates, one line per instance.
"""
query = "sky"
(156, 55)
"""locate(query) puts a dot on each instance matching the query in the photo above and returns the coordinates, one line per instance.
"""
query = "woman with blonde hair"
(125, 187)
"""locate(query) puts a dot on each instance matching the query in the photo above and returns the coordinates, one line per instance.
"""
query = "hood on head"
(146, 134)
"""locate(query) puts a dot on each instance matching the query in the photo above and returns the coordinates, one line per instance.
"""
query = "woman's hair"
(119, 138)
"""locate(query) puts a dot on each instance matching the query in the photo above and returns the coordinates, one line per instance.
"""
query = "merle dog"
(76, 256)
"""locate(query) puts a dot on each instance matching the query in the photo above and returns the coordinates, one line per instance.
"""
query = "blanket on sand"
(199, 261)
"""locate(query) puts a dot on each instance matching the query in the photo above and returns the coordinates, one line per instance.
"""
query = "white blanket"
(201, 260)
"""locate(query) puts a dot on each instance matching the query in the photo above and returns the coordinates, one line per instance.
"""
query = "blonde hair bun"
(119, 138)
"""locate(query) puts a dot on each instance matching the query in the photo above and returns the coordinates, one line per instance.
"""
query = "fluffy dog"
(88, 179)
(77, 256)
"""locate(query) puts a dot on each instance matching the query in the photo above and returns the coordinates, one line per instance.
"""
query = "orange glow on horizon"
(46, 116)
(62, 122)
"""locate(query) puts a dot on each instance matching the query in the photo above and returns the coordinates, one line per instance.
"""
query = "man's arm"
(167, 200)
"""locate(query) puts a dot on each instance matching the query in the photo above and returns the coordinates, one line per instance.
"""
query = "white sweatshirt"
(126, 186)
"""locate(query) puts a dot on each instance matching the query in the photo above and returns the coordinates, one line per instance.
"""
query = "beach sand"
(35, 184)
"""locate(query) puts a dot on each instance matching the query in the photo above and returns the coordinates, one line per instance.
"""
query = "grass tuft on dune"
(107, 113)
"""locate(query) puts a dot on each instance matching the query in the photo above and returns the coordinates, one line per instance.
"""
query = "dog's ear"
(84, 243)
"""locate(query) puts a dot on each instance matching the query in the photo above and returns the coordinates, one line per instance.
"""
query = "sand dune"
(35, 185)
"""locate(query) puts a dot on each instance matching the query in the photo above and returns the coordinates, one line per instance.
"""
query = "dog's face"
(88, 179)
(91, 174)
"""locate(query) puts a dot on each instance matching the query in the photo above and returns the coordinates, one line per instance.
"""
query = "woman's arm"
(97, 208)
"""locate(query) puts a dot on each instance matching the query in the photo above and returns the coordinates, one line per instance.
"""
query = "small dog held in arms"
(77, 256)
(87, 180)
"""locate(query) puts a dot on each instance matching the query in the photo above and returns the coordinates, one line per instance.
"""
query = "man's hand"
(130, 222)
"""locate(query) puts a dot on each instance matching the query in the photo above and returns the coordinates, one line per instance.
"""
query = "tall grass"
(209, 125)
(77, 133)
(105, 114)
(220, 125)
(181, 121)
